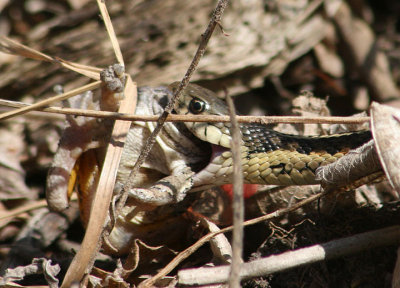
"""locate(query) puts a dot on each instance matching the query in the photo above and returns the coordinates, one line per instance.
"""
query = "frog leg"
(170, 189)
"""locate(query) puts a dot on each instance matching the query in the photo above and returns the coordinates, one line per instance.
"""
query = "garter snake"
(268, 156)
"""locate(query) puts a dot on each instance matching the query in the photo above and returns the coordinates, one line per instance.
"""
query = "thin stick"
(27, 207)
(45, 102)
(287, 260)
(190, 250)
(238, 202)
(15, 285)
(195, 118)
(216, 18)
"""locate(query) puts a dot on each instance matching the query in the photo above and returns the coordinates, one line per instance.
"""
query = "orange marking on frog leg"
(88, 178)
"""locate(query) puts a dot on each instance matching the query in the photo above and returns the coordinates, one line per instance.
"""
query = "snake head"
(197, 100)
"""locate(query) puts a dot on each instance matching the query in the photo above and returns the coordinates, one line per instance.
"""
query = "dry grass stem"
(26, 208)
(110, 31)
(23, 209)
(195, 118)
(91, 243)
(238, 200)
(15, 285)
(12, 47)
(45, 102)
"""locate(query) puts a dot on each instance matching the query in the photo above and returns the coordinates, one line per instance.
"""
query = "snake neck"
(258, 139)
(274, 158)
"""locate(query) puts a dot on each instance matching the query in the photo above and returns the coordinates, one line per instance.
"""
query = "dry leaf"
(385, 124)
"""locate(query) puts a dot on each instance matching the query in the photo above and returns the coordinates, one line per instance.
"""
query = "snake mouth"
(217, 150)
(206, 164)
(213, 144)
(208, 176)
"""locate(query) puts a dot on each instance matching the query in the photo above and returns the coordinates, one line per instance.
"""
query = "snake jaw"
(210, 133)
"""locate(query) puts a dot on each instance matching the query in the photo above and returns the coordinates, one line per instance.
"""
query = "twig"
(15, 285)
(45, 102)
(190, 250)
(278, 263)
(238, 201)
(195, 118)
(26, 208)
(20, 210)
(152, 138)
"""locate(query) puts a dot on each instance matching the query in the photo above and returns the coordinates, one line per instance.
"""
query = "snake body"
(268, 156)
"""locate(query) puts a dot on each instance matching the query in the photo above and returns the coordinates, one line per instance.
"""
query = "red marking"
(248, 190)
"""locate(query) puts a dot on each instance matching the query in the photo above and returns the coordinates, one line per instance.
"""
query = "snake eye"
(197, 106)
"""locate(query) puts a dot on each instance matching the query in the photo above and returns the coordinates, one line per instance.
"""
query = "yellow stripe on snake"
(268, 157)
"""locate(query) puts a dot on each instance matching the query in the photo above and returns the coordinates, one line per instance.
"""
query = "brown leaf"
(385, 124)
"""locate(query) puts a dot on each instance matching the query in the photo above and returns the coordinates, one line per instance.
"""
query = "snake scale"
(268, 156)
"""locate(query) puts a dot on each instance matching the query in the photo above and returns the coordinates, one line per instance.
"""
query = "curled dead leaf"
(385, 126)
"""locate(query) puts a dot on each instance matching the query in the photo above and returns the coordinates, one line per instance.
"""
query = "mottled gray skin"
(165, 177)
